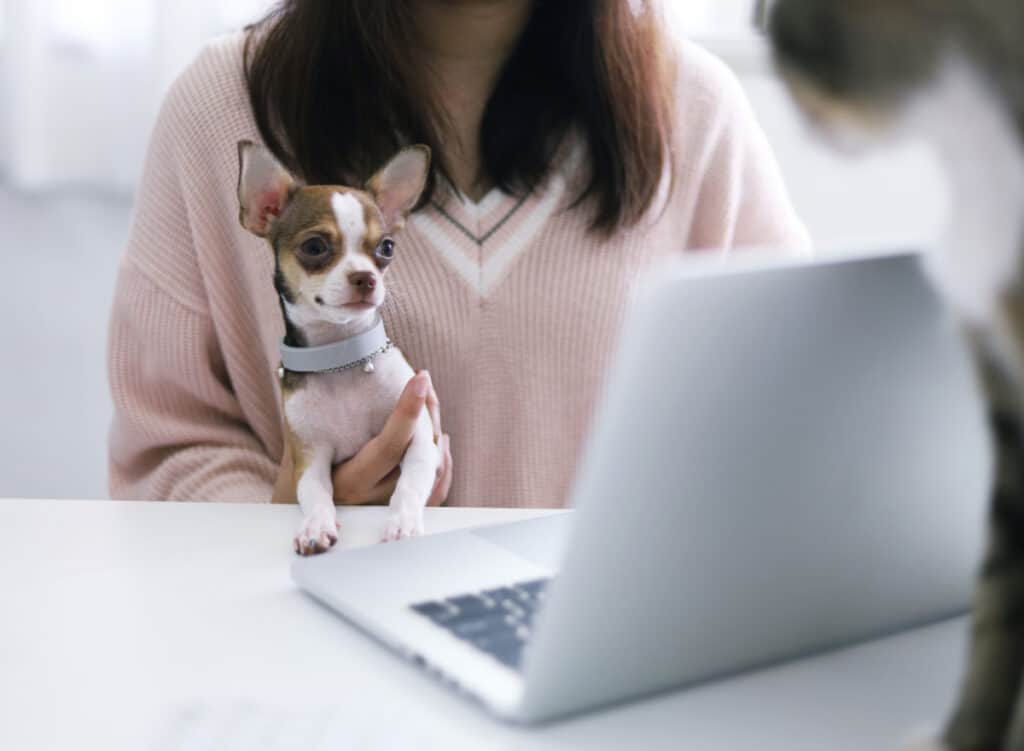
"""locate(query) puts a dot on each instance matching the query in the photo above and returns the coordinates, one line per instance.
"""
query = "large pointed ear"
(264, 188)
(397, 187)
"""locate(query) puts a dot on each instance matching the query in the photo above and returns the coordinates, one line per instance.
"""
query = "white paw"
(402, 523)
(318, 533)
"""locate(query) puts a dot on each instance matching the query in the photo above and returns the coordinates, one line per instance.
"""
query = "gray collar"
(359, 350)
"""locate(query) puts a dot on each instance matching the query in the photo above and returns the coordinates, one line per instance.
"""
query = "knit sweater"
(512, 304)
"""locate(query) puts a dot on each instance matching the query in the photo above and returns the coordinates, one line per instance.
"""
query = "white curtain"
(713, 19)
(81, 80)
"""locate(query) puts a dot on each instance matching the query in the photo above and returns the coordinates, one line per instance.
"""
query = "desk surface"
(117, 615)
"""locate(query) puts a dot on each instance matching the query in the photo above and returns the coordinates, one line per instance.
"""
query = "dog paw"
(318, 533)
(403, 523)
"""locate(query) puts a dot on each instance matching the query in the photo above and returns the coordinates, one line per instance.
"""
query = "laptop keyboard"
(496, 621)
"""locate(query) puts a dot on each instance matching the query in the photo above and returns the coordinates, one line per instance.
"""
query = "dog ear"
(264, 188)
(397, 187)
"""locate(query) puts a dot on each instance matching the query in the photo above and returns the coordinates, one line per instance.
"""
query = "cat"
(952, 71)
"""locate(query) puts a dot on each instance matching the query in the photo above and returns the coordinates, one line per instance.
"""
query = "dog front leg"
(419, 473)
(319, 530)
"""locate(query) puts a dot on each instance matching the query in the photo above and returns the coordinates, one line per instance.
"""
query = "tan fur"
(286, 492)
(310, 214)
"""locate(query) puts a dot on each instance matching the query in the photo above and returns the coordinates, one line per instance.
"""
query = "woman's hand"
(371, 475)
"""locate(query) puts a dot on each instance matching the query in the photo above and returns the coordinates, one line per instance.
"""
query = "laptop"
(786, 459)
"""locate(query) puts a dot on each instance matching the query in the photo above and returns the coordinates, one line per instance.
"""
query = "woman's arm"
(179, 432)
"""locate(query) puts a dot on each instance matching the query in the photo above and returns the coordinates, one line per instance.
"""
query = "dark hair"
(336, 89)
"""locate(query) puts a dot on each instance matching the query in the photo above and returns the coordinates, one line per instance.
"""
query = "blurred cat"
(952, 71)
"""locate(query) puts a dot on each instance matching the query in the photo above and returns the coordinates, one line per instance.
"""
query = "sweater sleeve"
(178, 430)
(743, 201)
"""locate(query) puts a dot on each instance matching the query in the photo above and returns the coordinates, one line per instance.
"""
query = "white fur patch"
(348, 212)
(981, 147)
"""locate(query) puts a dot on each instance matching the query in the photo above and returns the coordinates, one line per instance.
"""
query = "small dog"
(952, 70)
(341, 377)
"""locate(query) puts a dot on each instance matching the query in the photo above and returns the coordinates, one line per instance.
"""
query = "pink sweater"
(512, 305)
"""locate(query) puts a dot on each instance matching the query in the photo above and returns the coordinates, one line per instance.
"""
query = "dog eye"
(314, 247)
(385, 252)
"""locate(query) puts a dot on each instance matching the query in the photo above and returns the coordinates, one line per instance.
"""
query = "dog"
(953, 71)
(340, 375)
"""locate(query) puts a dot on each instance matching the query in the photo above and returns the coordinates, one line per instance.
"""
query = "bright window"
(109, 28)
(234, 14)
(714, 18)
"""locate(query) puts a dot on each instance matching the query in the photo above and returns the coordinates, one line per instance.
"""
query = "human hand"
(371, 475)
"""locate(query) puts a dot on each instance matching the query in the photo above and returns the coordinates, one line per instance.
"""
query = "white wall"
(892, 198)
(85, 78)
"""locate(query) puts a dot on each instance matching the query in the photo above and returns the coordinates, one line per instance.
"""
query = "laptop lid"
(787, 460)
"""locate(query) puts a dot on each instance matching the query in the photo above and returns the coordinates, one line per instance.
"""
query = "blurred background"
(80, 84)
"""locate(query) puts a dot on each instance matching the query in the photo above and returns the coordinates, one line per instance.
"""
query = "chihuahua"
(340, 375)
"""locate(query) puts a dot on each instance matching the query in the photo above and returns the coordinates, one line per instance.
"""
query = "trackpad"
(540, 541)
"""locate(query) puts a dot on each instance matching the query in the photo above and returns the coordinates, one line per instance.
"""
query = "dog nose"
(365, 281)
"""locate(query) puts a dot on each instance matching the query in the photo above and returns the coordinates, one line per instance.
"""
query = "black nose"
(365, 281)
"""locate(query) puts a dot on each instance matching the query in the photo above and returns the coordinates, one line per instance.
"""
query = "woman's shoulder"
(210, 95)
(706, 88)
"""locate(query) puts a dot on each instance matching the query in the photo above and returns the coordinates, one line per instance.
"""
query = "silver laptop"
(785, 460)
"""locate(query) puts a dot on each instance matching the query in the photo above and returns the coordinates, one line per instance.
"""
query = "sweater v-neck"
(482, 240)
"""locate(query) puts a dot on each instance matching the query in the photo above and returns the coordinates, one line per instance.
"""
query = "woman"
(575, 146)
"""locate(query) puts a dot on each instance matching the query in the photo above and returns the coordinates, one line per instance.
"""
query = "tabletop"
(120, 619)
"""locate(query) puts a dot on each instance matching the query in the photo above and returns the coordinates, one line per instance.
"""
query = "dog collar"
(359, 350)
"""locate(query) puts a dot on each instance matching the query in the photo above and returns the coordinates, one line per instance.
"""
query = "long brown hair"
(336, 89)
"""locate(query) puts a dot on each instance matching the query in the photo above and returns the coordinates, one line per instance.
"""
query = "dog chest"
(345, 410)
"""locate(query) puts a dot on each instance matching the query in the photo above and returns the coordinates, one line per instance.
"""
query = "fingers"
(383, 453)
(434, 408)
(444, 474)
(381, 493)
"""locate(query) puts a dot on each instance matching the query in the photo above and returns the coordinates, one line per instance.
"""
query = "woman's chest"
(516, 286)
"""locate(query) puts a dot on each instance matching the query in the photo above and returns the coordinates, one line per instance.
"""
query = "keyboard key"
(438, 612)
(514, 607)
(482, 626)
(508, 650)
(534, 588)
(512, 659)
(472, 605)
(501, 593)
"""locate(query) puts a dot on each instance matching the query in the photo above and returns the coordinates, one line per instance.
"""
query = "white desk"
(115, 614)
